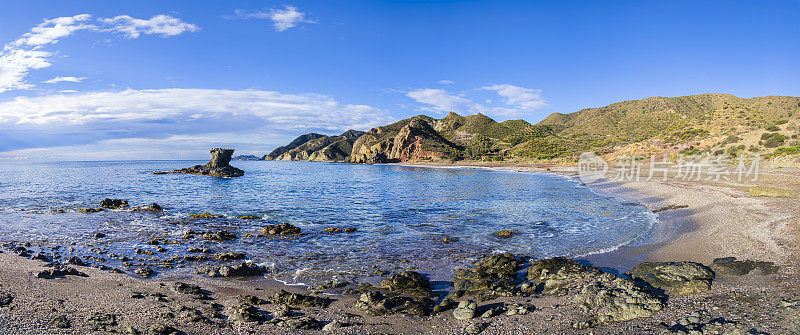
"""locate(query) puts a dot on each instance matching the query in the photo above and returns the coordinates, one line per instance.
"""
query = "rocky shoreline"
(54, 292)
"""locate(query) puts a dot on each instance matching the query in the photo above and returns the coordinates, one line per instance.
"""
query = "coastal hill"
(707, 123)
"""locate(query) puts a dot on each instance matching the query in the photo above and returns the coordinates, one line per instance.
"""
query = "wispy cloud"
(438, 100)
(520, 97)
(282, 19)
(516, 101)
(85, 118)
(27, 53)
(446, 82)
(163, 25)
(65, 79)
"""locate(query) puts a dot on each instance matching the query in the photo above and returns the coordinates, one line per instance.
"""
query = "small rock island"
(219, 166)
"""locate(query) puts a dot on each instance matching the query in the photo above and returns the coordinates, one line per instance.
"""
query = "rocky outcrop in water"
(219, 166)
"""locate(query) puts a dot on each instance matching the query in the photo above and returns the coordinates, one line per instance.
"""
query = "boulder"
(679, 278)
(559, 275)
(733, 267)
(617, 299)
(297, 299)
(465, 310)
(245, 313)
(408, 282)
(376, 304)
(491, 277)
(60, 271)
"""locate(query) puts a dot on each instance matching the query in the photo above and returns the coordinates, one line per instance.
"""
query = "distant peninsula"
(712, 124)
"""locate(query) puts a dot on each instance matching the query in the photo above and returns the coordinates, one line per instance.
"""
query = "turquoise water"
(401, 213)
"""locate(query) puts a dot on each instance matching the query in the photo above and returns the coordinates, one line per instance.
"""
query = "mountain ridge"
(711, 123)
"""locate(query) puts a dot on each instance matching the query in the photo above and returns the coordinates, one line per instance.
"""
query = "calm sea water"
(401, 213)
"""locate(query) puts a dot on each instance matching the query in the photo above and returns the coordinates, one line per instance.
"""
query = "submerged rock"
(730, 266)
(219, 166)
(375, 303)
(408, 282)
(493, 276)
(280, 229)
(678, 278)
(154, 207)
(506, 233)
(297, 299)
(219, 236)
(114, 203)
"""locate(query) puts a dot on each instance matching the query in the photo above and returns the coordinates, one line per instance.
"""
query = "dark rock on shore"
(60, 271)
(163, 330)
(241, 270)
(300, 322)
(246, 313)
(145, 272)
(101, 321)
(114, 203)
(297, 299)
(491, 277)
(558, 275)
(61, 321)
(376, 304)
(465, 310)
(679, 278)
(191, 289)
(219, 166)
(701, 322)
(280, 229)
(408, 282)
(617, 299)
(730, 266)
(6, 299)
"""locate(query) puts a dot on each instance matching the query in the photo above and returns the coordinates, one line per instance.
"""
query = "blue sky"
(160, 80)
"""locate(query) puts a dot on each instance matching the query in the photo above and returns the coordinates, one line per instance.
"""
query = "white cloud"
(446, 82)
(516, 101)
(439, 100)
(163, 25)
(67, 79)
(86, 118)
(520, 97)
(282, 19)
(19, 57)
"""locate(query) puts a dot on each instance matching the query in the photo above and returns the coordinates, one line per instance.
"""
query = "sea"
(432, 220)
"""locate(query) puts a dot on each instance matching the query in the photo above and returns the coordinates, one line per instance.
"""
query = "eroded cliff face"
(323, 149)
(416, 140)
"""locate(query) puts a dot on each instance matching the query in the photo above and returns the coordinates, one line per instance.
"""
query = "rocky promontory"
(219, 166)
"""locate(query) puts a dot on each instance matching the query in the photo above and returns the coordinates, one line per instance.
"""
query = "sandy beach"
(721, 220)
